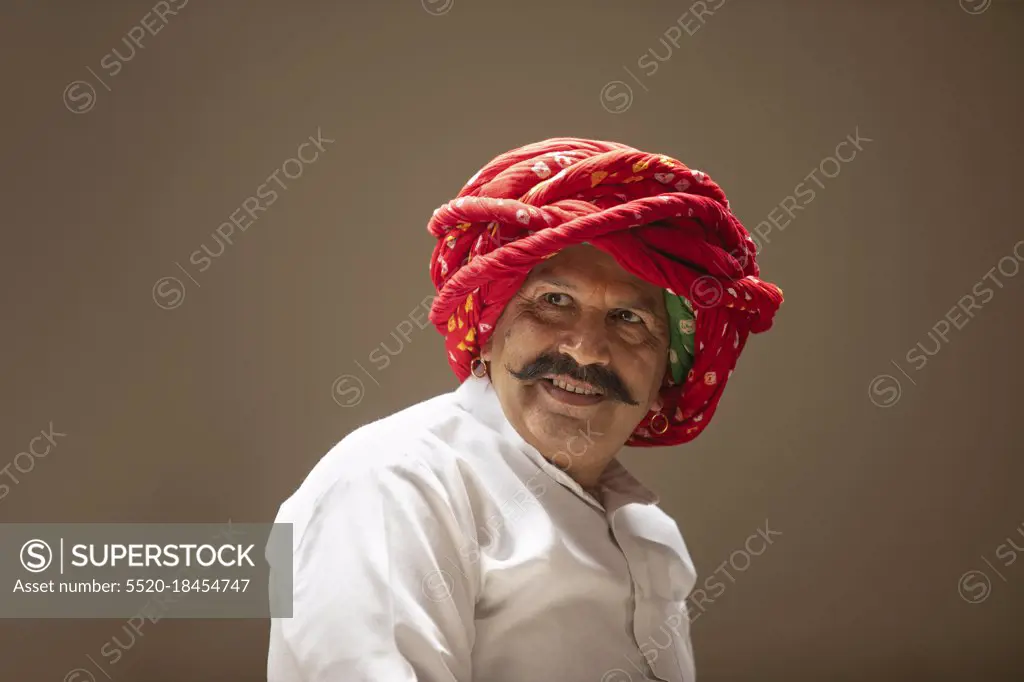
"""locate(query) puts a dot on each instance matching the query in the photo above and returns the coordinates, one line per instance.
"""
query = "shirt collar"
(477, 396)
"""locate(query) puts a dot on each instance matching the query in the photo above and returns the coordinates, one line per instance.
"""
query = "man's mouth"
(570, 391)
(567, 383)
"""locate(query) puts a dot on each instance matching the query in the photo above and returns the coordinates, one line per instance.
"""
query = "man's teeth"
(574, 389)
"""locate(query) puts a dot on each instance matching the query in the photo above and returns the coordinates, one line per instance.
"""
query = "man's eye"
(629, 316)
(559, 300)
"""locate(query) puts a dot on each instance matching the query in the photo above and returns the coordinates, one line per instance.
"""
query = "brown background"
(218, 408)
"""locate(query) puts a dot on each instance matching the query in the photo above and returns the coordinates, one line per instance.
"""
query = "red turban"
(659, 219)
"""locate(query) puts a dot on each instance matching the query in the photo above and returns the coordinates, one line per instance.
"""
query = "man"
(490, 534)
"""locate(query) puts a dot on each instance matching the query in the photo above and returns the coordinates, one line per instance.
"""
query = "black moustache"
(564, 365)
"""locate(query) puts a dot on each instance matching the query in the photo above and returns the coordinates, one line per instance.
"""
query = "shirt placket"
(637, 578)
(638, 585)
(623, 542)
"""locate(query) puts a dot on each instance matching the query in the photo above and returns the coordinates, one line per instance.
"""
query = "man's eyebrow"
(555, 282)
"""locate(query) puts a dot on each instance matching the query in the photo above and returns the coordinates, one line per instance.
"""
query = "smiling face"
(581, 348)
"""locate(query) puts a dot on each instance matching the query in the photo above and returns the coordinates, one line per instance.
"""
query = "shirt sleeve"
(384, 588)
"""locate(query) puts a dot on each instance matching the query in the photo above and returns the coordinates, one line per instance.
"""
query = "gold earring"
(478, 367)
(654, 428)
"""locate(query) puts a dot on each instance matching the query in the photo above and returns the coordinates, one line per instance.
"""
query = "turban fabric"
(661, 221)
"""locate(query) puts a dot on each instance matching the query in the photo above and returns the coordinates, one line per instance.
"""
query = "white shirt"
(437, 545)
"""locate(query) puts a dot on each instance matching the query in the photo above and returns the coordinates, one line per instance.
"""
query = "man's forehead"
(586, 265)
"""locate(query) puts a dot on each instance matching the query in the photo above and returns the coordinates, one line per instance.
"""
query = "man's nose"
(586, 339)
